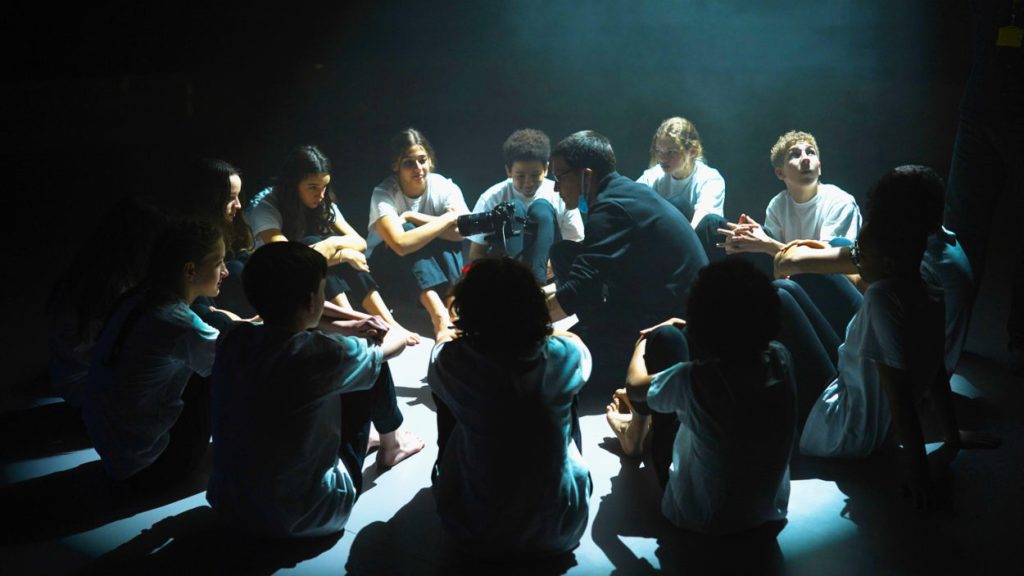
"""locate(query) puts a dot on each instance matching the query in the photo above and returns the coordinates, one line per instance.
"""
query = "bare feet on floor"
(397, 446)
(629, 427)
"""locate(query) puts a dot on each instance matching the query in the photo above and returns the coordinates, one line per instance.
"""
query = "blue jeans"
(534, 244)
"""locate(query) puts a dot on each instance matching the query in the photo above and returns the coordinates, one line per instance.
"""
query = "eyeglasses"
(558, 177)
(672, 153)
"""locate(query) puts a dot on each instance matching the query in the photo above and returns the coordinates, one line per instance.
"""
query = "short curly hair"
(729, 294)
(526, 145)
(787, 141)
(499, 305)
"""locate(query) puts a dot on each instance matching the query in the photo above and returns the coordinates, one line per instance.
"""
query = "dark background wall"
(102, 101)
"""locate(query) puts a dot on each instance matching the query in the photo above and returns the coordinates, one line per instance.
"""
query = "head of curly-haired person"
(499, 308)
(734, 311)
(526, 145)
(910, 197)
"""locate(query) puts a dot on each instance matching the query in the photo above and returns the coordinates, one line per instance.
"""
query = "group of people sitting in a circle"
(268, 323)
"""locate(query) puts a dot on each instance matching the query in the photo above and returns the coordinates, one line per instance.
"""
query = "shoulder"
(386, 189)
(836, 195)
(778, 201)
(179, 315)
(439, 184)
(705, 173)
(262, 197)
(651, 175)
(494, 195)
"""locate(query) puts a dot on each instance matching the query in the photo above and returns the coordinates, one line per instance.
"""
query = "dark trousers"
(666, 347)
(344, 279)
(706, 230)
(812, 344)
(189, 439)
(437, 266)
(378, 405)
(986, 162)
(533, 246)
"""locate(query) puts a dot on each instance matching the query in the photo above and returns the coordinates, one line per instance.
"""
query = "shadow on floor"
(413, 542)
(79, 499)
(42, 431)
(197, 541)
(633, 509)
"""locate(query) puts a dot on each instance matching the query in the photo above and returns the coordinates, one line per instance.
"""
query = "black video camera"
(500, 220)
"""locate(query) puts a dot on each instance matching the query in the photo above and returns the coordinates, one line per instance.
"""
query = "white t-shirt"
(277, 428)
(262, 215)
(388, 200)
(570, 223)
(832, 213)
(730, 458)
(704, 188)
(131, 405)
(897, 325)
(945, 265)
(511, 481)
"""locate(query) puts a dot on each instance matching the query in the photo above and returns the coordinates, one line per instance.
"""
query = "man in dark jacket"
(635, 264)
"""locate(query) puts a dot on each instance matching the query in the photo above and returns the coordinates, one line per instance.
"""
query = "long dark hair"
(500, 308)
(111, 261)
(297, 219)
(206, 191)
(182, 242)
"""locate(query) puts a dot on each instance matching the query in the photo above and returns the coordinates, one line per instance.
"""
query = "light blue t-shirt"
(511, 480)
(730, 459)
(277, 428)
(132, 401)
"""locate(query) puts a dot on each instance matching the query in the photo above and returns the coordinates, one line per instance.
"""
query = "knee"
(785, 285)
(540, 210)
(666, 346)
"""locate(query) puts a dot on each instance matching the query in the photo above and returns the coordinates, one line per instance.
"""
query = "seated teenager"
(908, 191)
(679, 173)
(292, 405)
(147, 398)
(212, 192)
(547, 219)
(723, 403)
(301, 206)
(110, 262)
(890, 369)
(805, 210)
(510, 481)
(414, 241)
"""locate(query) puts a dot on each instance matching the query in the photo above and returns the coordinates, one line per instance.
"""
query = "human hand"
(677, 322)
(372, 328)
(746, 236)
(235, 317)
(354, 258)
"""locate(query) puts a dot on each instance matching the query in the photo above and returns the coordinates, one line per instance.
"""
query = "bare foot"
(629, 427)
(411, 338)
(397, 446)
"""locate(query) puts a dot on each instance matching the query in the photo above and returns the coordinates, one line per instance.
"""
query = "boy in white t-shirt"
(805, 210)
(533, 195)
